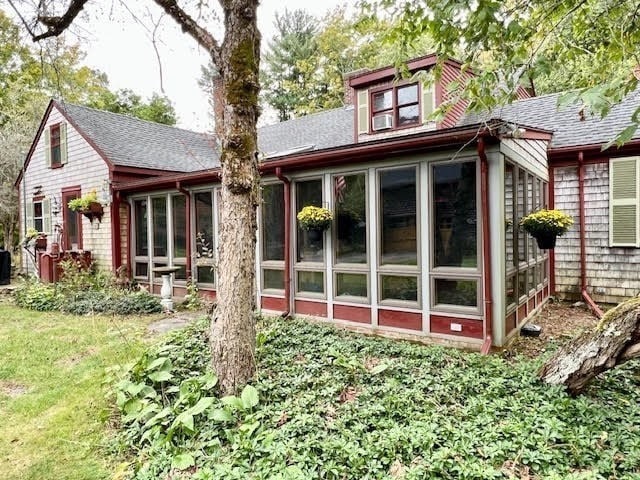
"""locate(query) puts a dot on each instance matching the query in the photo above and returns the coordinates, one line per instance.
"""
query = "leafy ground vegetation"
(84, 291)
(328, 404)
(53, 409)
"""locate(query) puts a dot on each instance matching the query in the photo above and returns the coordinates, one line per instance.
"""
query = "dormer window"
(395, 107)
(55, 145)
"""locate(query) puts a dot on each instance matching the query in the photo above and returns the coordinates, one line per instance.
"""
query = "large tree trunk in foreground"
(233, 333)
(615, 340)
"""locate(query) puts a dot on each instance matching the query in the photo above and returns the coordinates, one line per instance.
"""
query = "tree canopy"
(589, 46)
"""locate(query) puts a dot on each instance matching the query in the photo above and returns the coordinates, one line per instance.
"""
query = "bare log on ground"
(615, 340)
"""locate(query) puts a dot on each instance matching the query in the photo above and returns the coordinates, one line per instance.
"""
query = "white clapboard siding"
(84, 168)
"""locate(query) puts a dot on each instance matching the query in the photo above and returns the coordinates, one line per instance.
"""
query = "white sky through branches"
(122, 48)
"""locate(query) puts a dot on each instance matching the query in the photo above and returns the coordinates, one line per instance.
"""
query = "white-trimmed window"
(272, 238)
(55, 145)
(623, 202)
(38, 213)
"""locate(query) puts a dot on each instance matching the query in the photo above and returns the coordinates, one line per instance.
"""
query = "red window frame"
(54, 146)
(395, 107)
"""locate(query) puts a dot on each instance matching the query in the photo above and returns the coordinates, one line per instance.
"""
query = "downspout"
(583, 249)
(187, 195)
(486, 246)
(287, 240)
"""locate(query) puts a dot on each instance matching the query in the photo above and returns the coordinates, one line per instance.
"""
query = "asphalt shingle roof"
(327, 129)
(131, 142)
(567, 127)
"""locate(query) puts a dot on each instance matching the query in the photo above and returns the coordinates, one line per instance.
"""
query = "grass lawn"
(52, 399)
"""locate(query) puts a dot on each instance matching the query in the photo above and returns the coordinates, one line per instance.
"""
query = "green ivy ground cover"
(332, 405)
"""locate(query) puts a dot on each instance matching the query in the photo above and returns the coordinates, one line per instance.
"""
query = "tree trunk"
(615, 340)
(233, 333)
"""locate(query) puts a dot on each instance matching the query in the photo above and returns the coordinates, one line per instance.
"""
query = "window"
(205, 260)
(395, 107)
(310, 244)
(455, 278)
(55, 144)
(179, 232)
(350, 233)
(623, 202)
(159, 226)
(141, 267)
(38, 215)
(272, 236)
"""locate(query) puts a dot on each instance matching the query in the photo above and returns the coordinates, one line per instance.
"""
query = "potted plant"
(546, 225)
(29, 236)
(314, 220)
(88, 205)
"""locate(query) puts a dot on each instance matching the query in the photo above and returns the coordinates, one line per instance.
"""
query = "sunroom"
(423, 244)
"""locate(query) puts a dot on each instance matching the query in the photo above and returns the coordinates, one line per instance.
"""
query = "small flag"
(340, 187)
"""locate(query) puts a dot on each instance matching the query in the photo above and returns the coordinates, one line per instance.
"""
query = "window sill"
(57, 165)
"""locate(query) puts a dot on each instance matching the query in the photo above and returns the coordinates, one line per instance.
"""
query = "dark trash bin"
(5, 267)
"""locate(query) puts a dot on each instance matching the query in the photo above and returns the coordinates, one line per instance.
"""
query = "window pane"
(204, 225)
(510, 292)
(142, 270)
(531, 207)
(273, 279)
(72, 221)
(159, 226)
(310, 242)
(508, 215)
(206, 274)
(532, 278)
(273, 222)
(520, 209)
(37, 209)
(455, 217)
(522, 283)
(456, 292)
(312, 282)
(351, 218)
(351, 284)
(398, 216)
(396, 287)
(408, 115)
(382, 100)
(180, 274)
(179, 213)
(142, 244)
(408, 94)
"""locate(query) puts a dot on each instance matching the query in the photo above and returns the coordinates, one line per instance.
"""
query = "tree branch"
(57, 25)
(191, 27)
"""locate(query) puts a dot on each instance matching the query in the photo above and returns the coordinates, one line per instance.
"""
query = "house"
(424, 243)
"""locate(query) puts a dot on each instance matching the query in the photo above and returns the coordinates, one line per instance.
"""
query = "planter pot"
(94, 210)
(546, 241)
(41, 243)
(315, 235)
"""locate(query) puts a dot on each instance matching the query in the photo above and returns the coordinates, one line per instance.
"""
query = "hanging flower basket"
(546, 225)
(41, 242)
(312, 218)
(88, 205)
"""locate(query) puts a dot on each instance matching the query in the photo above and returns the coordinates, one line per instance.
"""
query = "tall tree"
(511, 43)
(288, 63)
(237, 59)
(158, 109)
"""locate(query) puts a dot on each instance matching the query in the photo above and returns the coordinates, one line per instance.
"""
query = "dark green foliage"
(335, 405)
(84, 291)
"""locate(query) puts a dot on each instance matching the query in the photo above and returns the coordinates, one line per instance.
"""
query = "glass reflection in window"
(273, 222)
(398, 216)
(310, 247)
(455, 215)
(350, 218)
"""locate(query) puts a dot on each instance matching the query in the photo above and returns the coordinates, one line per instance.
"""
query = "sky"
(121, 47)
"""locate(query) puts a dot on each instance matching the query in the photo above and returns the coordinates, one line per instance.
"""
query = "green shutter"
(47, 147)
(363, 111)
(427, 103)
(63, 143)
(29, 216)
(623, 202)
(46, 216)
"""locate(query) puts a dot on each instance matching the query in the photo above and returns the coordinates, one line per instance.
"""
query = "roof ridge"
(63, 104)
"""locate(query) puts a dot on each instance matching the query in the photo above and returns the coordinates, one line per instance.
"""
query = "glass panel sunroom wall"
(310, 244)
(272, 237)
(204, 237)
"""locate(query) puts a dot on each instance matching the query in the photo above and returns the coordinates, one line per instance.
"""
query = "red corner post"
(287, 239)
(486, 246)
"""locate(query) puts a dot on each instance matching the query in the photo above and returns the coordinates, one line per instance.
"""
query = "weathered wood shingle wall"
(613, 274)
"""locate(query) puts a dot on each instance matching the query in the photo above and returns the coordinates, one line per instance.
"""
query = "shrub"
(34, 295)
(88, 302)
(138, 302)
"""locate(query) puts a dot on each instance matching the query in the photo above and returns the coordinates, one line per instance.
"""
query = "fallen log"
(615, 340)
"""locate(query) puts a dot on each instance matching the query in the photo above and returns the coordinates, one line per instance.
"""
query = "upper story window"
(395, 107)
(55, 139)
